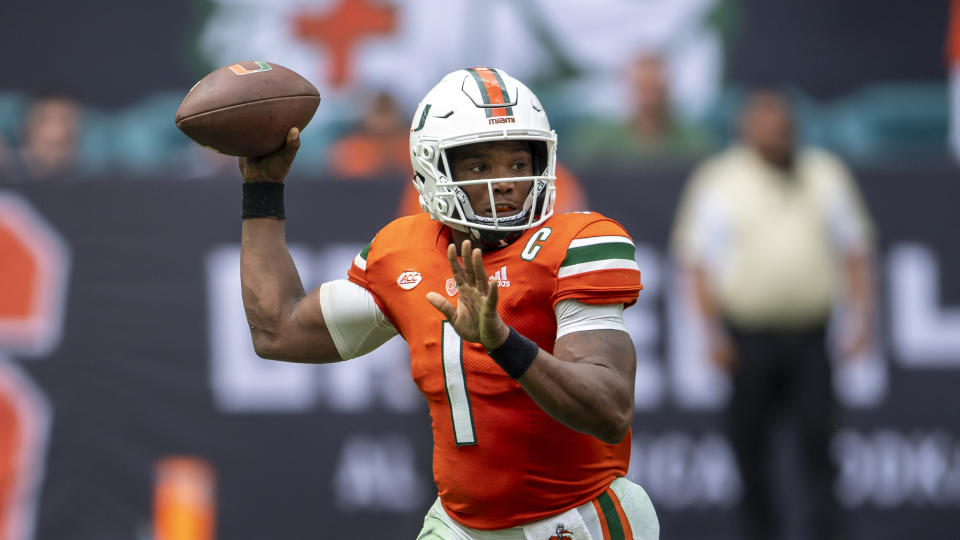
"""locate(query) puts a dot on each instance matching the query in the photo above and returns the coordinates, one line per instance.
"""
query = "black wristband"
(515, 355)
(262, 199)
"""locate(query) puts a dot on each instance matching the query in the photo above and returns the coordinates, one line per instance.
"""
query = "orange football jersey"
(499, 460)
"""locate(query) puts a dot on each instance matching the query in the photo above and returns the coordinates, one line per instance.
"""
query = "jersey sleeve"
(356, 323)
(358, 274)
(599, 266)
(358, 270)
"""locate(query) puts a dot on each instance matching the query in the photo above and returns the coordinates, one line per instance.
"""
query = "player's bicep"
(336, 321)
(612, 348)
(301, 336)
(594, 333)
(609, 349)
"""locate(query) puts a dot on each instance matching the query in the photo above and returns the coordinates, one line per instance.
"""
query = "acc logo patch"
(409, 279)
(452, 288)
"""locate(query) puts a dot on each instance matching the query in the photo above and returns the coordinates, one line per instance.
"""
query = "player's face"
(498, 159)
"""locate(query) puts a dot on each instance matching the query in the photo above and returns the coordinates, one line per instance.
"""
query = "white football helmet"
(478, 105)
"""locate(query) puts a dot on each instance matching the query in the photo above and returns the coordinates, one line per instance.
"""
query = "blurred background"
(132, 405)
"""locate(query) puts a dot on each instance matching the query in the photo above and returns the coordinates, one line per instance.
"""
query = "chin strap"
(490, 240)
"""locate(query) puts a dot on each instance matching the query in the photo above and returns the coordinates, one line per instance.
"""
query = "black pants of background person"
(778, 374)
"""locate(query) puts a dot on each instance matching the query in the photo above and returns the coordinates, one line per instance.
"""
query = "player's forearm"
(269, 280)
(589, 385)
(582, 396)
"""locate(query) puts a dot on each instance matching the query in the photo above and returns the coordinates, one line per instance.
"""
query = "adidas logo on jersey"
(501, 277)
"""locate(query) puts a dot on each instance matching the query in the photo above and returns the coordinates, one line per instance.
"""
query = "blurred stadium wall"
(122, 337)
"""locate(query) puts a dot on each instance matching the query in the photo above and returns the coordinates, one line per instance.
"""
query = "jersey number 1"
(455, 380)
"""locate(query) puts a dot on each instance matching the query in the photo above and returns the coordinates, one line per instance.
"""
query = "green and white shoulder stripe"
(361, 259)
(598, 253)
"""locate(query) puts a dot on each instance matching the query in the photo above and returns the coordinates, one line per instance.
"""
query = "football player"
(513, 317)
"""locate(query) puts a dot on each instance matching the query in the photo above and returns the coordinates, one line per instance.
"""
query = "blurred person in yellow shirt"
(772, 236)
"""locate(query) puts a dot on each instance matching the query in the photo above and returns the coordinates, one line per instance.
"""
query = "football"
(246, 109)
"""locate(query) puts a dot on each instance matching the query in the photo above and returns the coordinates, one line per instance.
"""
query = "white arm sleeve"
(353, 318)
(575, 316)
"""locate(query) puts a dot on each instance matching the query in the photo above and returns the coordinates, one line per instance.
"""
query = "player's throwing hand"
(272, 167)
(475, 317)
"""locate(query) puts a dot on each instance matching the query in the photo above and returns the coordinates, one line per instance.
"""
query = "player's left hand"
(475, 316)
